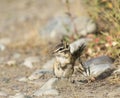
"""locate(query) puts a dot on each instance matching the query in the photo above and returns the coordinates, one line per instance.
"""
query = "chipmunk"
(65, 60)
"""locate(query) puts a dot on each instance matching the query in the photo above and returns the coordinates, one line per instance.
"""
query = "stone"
(39, 73)
(85, 25)
(52, 92)
(98, 66)
(20, 95)
(23, 79)
(62, 25)
(28, 62)
(5, 41)
(46, 68)
(2, 93)
(11, 63)
(47, 88)
(2, 47)
(16, 55)
(49, 84)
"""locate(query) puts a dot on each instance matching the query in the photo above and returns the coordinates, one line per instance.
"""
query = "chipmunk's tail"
(76, 54)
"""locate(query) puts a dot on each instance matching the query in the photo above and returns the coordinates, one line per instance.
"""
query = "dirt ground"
(20, 21)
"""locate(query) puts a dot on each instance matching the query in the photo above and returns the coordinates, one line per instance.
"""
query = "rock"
(49, 64)
(2, 47)
(51, 30)
(2, 93)
(46, 68)
(96, 67)
(11, 63)
(85, 25)
(5, 41)
(39, 73)
(16, 55)
(28, 62)
(20, 95)
(76, 44)
(49, 84)
(57, 27)
(47, 88)
(52, 92)
(23, 79)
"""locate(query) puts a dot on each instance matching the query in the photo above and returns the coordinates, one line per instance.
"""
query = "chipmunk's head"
(62, 50)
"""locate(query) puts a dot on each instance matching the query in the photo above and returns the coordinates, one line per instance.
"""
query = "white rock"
(23, 79)
(47, 88)
(85, 25)
(2, 93)
(39, 73)
(28, 62)
(91, 27)
(5, 41)
(49, 84)
(20, 95)
(33, 59)
(2, 47)
(11, 62)
(16, 55)
(47, 92)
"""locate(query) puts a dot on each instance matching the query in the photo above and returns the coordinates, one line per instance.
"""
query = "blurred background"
(29, 29)
(25, 16)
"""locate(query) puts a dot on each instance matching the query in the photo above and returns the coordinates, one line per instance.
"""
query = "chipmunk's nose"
(54, 52)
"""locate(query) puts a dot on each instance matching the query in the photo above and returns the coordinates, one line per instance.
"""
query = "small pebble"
(2, 93)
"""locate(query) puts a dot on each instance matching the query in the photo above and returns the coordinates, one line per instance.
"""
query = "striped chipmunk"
(65, 60)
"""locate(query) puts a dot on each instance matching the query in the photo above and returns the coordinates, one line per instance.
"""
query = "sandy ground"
(20, 22)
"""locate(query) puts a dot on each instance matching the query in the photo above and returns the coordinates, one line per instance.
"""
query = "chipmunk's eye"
(61, 49)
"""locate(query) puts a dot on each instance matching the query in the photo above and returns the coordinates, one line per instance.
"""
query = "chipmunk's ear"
(66, 45)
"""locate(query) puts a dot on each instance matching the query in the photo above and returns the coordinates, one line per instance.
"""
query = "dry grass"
(106, 41)
(107, 15)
